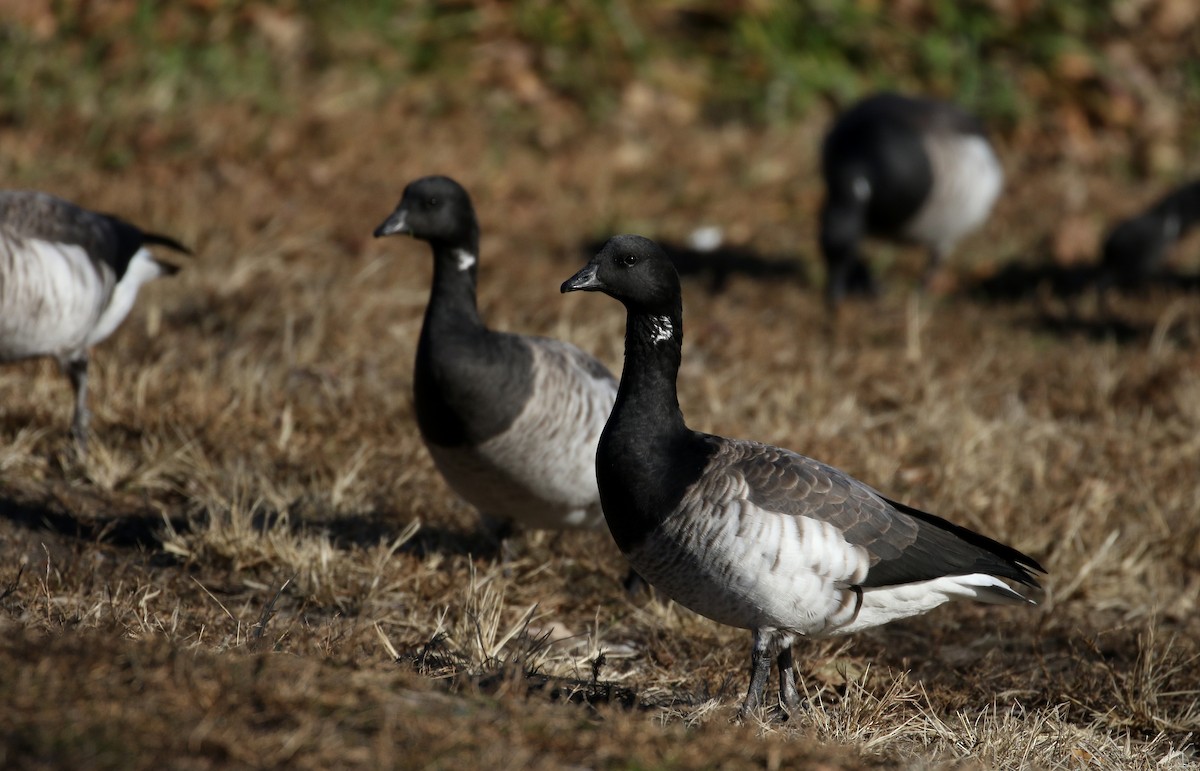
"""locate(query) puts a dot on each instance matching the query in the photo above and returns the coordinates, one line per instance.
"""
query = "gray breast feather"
(767, 538)
(574, 363)
(904, 545)
(541, 472)
(739, 563)
(105, 238)
(35, 215)
(782, 481)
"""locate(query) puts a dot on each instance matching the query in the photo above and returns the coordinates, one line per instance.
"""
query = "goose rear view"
(907, 169)
(68, 278)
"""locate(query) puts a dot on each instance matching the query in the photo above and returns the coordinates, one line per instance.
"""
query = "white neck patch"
(465, 259)
(861, 188)
(661, 329)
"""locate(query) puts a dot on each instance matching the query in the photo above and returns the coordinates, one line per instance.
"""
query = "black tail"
(168, 268)
(1009, 562)
(161, 240)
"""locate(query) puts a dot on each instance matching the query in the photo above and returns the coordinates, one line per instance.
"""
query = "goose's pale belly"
(51, 297)
(755, 569)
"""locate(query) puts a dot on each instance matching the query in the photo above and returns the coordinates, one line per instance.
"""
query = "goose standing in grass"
(756, 536)
(511, 421)
(1137, 246)
(68, 278)
(906, 169)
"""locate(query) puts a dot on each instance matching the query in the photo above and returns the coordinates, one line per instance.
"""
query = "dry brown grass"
(257, 565)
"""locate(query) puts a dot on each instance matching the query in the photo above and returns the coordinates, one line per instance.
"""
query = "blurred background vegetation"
(1106, 81)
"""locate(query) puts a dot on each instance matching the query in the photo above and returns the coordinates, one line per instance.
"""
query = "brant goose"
(1138, 245)
(906, 169)
(511, 421)
(756, 536)
(68, 278)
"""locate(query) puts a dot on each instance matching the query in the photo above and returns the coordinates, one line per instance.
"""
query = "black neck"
(647, 458)
(469, 383)
(647, 393)
(452, 303)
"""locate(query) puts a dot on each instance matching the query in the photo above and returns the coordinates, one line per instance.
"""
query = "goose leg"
(860, 280)
(496, 530)
(76, 370)
(936, 255)
(849, 276)
(500, 532)
(789, 696)
(760, 672)
(1104, 289)
(634, 584)
(835, 286)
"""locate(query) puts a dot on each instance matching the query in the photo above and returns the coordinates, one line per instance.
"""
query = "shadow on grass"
(80, 513)
(62, 511)
(361, 530)
(1065, 285)
(1097, 330)
(1018, 281)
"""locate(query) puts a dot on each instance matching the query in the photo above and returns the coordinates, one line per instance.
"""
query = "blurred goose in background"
(511, 421)
(905, 169)
(756, 536)
(1137, 246)
(68, 278)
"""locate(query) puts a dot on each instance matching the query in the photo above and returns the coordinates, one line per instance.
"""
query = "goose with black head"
(756, 536)
(511, 420)
(1136, 247)
(907, 169)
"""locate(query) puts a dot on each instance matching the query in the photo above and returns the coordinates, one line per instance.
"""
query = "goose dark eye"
(432, 202)
(628, 260)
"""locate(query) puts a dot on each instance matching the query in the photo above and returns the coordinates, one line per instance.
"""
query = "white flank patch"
(967, 179)
(661, 329)
(884, 604)
(465, 259)
(142, 268)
